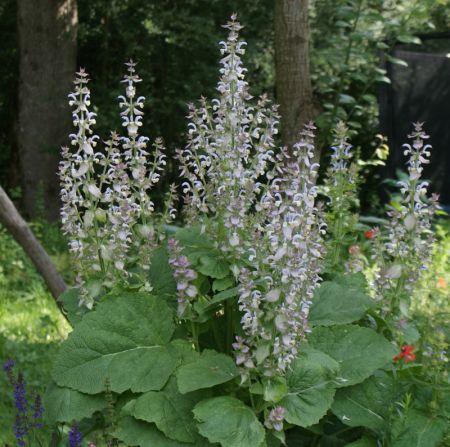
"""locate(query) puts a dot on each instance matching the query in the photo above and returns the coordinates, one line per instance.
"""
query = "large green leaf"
(311, 388)
(367, 404)
(139, 433)
(123, 341)
(161, 275)
(230, 422)
(67, 405)
(358, 350)
(416, 429)
(212, 368)
(170, 410)
(339, 302)
(355, 281)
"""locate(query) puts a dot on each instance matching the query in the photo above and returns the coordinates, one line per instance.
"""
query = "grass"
(31, 326)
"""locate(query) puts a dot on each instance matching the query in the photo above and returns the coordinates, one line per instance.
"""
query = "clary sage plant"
(248, 321)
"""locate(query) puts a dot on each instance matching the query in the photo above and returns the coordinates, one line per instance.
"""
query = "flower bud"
(100, 215)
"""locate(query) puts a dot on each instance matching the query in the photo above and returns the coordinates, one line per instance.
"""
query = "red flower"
(406, 354)
(370, 234)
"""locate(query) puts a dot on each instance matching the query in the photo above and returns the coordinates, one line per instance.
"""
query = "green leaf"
(228, 421)
(396, 61)
(212, 368)
(195, 244)
(354, 281)
(310, 388)
(339, 303)
(275, 439)
(124, 340)
(214, 267)
(70, 299)
(67, 405)
(410, 333)
(363, 442)
(208, 259)
(185, 351)
(138, 433)
(275, 389)
(161, 275)
(367, 404)
(223, 296)
(419, 430)
(383, 79)
(358, 350)
(223, 284)
(169, 410)
(346, 99)
(404, 38)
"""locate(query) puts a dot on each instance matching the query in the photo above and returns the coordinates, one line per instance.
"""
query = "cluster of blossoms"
(275, 418)
(230, 146)
(341, 187)
(105, 194)
(266, 214)
(287, 254)
(183, 274)
(342, 176)
(28, 416)
(408, 247)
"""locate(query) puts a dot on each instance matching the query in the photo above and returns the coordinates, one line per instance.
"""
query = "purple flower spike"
(75, 436)
(20, 395)
(38, 410)
(8, 368)
(20, 429)
(9, 364)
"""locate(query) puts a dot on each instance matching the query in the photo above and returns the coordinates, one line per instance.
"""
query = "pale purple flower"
(406, 252)
(287, 254)
(107, 212)
(230, 146)
(184, 276)
(275, 418)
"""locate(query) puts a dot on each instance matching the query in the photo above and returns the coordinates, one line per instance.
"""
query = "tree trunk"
(47, 62)
(13, 221)
(293, 81)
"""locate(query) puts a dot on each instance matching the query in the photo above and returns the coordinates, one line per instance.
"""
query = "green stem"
(217, 337)
(337, 239)
(195, 336)
(229, 323)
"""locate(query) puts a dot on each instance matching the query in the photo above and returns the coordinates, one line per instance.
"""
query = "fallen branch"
(21, 232)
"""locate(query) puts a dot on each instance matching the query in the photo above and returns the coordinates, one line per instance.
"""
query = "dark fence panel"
(420, 92)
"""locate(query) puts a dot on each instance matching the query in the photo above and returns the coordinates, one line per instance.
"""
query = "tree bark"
(13, 221)
(293, 80)
(47, 62)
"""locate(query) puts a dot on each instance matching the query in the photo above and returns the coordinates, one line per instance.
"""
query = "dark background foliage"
(176, 46)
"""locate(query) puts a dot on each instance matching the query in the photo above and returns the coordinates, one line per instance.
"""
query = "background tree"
(293, 81)
(47, 61)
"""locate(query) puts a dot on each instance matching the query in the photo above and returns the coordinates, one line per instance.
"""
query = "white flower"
(94, 190)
